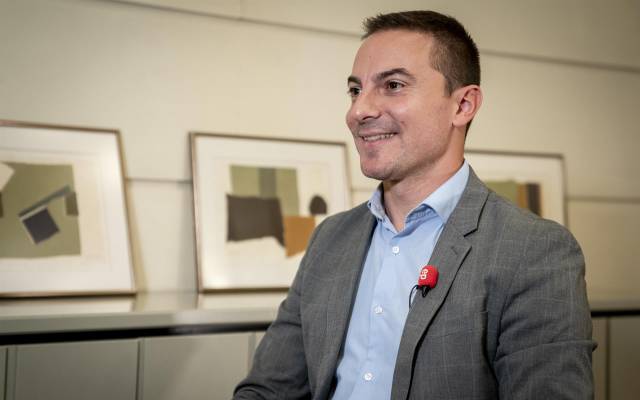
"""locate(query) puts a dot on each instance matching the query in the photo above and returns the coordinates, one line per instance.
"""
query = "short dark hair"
(454, 55)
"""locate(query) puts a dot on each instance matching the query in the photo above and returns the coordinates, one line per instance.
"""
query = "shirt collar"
(443, 200)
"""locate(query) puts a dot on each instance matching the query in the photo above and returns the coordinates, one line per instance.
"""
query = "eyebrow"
(394, 71)
(383, 75)
(353, 79)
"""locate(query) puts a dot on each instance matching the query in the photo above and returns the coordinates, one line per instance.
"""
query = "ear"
(468, 100)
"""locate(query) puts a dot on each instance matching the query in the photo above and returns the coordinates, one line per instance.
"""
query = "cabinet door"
(3, 370)
(79, 370)
(193, 367)
(624, 334)
(600, 358)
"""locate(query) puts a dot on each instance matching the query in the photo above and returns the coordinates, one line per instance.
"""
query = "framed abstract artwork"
(256, 203)
(531, 180)
(63, 217)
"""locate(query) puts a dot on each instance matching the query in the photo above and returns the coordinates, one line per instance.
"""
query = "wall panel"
(579, 112)
(608, 233)
(587, 30)
(156, 76)
(163, 235)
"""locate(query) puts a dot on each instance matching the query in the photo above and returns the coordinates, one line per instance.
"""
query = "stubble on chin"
(372, 174)
(374, 169)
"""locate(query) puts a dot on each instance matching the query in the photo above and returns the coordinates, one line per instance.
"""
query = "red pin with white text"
(427, 279)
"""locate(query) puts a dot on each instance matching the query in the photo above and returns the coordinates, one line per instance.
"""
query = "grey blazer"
(508, 318)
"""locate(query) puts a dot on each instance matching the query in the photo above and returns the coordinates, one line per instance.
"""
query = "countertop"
(144, 310)
(176, 309)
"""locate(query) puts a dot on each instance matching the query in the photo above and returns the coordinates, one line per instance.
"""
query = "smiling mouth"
(376, 138)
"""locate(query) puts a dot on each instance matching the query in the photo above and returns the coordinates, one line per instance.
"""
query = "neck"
(400, 197)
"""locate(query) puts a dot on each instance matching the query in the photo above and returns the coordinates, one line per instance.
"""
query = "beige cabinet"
(193, 367)
(624, 374)
(3, 370)
(210, 366)
(75, 370)
(600, 358)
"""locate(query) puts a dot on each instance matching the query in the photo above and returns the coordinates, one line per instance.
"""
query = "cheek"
(350, 120)
(433, 117)
(402, 114)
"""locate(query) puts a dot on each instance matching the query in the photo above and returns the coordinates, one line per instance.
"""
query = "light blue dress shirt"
(390, 271)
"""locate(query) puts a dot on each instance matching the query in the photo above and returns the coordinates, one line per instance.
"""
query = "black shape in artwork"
(40, 225)
(254, 217)
(37, 219)
(317, 206)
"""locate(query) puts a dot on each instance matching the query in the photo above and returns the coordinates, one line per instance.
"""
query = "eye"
(394, 85)
(354, 91)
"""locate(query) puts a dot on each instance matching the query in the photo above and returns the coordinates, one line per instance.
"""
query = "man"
(508, 317)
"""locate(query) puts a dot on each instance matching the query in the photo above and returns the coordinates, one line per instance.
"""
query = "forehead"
(393, 49)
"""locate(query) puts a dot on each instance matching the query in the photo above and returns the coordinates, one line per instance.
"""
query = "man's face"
(400, 116)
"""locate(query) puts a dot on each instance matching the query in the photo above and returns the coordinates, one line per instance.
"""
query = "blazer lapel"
(348, 270)
(447, 256)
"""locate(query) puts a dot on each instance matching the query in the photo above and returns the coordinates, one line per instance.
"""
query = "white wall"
(558, 76)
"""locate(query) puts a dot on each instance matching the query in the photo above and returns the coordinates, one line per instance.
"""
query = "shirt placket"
(378, 366)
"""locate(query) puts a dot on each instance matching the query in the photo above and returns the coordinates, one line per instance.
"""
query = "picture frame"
(256, 203)
(63, 212)
(535, 181)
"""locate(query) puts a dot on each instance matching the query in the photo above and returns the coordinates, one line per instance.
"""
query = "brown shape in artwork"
(297, 232)
(1, 209)
(254, 217)
(523, 196)
(533, 191)
(317, 206)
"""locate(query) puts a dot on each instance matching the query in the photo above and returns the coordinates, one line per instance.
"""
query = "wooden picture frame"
(63, 218)
(256, 202)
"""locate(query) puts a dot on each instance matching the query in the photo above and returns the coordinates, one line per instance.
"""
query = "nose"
(363, 108)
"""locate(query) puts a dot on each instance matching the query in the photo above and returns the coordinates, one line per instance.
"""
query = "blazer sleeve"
(279, 368)
(544, 345)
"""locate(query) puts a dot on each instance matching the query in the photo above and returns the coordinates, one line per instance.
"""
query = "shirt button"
(395, 249)
(368, 376)
(377, 310)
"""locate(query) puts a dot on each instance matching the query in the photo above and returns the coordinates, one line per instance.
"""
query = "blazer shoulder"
(519, 221)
